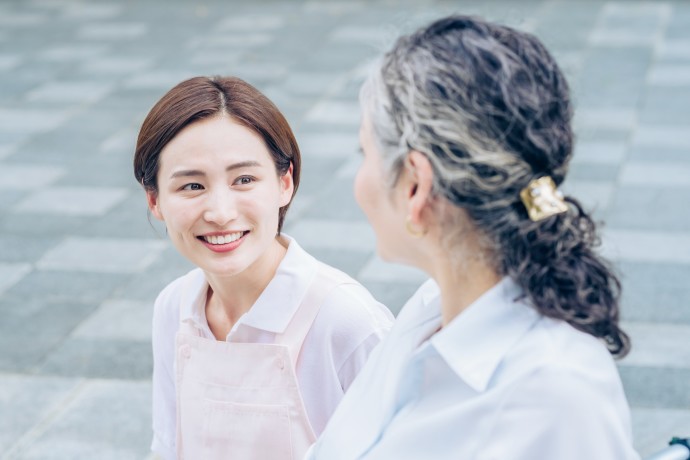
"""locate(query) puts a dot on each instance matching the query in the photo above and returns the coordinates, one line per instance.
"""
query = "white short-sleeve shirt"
(500, 381)
(350, 323)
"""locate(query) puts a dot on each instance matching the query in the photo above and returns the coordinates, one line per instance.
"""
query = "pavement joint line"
(40, 428)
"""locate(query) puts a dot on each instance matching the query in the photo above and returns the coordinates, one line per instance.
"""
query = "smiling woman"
(220, 165)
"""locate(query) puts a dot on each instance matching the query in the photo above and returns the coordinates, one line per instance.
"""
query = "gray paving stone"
(647, 246)
(665, 105)
(101, 255)
(335, 112)
(100, 358)
(30, 121)
(40, 225)
(642, 207)
(589, 172)
(654, 174)
(32, 328)
(73, 52)
(656, 345)
(112, 31)
(27, 177)
(656, 386)
(76, 201)
(670, 75)
(655, 292)
(654, 428)
(678, 50)
(332, 234)
(377, 270)
(594, 196)
(63, 286)
(604, 119)
(77, 92)
(336, 202)
(26, 401)
(90, 426)
(115, 65)
(21, 248)
(607, 153)
(11, 274)
(125, 320)
(672, 135)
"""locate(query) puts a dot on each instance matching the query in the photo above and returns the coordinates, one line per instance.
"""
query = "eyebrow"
(196, 172)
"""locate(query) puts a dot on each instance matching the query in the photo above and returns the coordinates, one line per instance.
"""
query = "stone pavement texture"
(80, 264)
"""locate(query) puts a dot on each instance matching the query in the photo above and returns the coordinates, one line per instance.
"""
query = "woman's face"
(378, 201)
(219, 195)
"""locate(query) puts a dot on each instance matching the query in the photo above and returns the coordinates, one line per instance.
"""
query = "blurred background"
(80, 263)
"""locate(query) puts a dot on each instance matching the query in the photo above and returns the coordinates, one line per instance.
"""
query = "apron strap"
(325, 280)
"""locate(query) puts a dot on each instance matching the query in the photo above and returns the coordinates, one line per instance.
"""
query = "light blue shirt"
(498, 382)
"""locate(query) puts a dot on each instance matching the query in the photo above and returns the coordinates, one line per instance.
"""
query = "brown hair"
(204, 97)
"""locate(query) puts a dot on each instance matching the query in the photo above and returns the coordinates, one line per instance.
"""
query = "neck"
(462, 286)
(229, 297)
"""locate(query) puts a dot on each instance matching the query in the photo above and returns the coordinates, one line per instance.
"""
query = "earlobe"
(152, 201)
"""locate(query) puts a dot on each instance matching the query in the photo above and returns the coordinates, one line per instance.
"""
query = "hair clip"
(542, 199)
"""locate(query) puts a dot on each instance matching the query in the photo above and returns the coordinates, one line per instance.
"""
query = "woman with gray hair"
(506, 353)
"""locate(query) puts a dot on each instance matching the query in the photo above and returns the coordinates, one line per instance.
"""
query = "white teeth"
(223, 239)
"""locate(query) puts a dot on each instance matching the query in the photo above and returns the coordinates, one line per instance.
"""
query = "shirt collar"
(475, 342)
(276, 305)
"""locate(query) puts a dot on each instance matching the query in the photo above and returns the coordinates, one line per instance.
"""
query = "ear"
(152, 201)
(287, 187)
(418, 185)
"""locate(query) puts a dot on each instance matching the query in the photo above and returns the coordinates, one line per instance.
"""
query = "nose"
(220, 207)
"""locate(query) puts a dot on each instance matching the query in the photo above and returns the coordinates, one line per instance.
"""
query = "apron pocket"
(246, 431)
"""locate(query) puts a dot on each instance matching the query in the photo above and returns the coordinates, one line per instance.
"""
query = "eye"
(193, 187)
(244, 180)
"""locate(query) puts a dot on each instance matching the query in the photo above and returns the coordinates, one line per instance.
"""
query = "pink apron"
(242, 400)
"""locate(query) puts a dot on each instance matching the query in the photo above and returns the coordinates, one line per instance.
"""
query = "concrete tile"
(28, 177)
(655, 292)
(87, 12)
(378, 271)
(250, 22)
(9, 62)
(31, 328)
(24, 249)
(101, 255)
(157, 79)
(25, 401)
(30, 121)
(331, 234)
(310, 83)
(604, 119)
(672, 136)
(656, 386)
(11, 274)
(100, 358)
(118, 320)
(231, 40)
(112, 31)
(115, 65)
(656, 345)
(647, 246)
(379, 36)
(19, 20)
(72, 52)
(654, 428)
(337, 202)
(621, 37)
(670, 75)
(49, 226)
(607, 153)
(107, 420)
(76, 91)
(335, 112)
(653, 174)
(328, 144)
(665, 105)
(594, 196)
(647, 208)
(590, 172)
(76, 201)
(76, 287)
(348, 261)
(674, 50)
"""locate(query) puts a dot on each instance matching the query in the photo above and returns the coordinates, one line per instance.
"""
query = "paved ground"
(80, 264)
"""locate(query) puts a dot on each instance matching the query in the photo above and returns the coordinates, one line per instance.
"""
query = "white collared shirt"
(350, 323)
(498, 382)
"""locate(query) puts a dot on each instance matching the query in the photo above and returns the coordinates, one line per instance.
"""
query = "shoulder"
(166, 308)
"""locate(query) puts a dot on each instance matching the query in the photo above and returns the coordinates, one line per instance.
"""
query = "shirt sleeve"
(370, 321)
(165, 325)
(560, 414)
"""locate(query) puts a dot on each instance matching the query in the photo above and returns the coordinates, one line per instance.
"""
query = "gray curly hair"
(491, 110)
